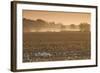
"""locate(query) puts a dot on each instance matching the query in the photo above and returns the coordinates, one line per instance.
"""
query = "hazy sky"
(65, 18)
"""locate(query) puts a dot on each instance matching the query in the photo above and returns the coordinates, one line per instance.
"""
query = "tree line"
(41, 24)
(82, 26)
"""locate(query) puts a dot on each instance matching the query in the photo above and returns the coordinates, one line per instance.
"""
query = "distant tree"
(60, 26)
(27, 24)
(84, 27)
(40, 24)
(40, 21)
(72, 26)
(52, 25)
(63, 26)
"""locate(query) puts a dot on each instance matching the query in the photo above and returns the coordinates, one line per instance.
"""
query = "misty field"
(56, 46)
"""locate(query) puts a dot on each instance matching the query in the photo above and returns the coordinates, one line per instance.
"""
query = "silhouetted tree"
(40, 21)
(72, 26)
(84, 27)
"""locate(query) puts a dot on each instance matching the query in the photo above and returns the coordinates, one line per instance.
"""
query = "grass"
(56, 46)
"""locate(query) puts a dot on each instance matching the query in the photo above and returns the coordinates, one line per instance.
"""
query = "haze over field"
(46, 21)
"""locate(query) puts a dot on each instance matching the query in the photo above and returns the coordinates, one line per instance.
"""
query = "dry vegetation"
(56, 46)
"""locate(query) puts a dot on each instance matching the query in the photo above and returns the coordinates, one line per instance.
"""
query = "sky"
(66, 18)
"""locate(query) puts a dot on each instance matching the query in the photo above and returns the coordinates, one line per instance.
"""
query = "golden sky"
(66, 18)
